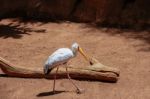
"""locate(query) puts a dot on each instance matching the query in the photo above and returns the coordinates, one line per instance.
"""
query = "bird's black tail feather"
(48, 71)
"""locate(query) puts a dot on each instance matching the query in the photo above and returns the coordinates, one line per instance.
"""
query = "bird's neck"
(74, 52)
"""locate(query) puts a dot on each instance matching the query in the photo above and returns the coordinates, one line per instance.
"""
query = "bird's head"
(75, 48)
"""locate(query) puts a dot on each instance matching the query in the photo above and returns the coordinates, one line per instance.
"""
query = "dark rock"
(110, 12)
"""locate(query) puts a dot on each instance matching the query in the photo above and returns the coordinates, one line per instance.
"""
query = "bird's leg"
(55, 79)
(79, 91)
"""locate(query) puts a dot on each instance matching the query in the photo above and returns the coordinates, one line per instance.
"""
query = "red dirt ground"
(30, 43)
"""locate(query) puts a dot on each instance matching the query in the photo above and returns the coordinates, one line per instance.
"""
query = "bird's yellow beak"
(82, 52)
(85, 56)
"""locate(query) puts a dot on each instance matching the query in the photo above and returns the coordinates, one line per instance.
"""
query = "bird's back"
(59, 57)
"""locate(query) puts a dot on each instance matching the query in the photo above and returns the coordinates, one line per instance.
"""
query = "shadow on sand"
(16, 31)
(141, 33)
(50, 93)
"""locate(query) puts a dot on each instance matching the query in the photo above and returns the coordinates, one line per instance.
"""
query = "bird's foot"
(80, 91)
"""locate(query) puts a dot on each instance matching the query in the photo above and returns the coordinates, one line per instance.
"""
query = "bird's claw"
(80, 91)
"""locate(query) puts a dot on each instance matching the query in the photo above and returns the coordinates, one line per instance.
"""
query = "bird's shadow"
(50, 93)
(3, 75)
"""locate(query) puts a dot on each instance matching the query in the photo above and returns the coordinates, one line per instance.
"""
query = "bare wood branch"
(97, 71)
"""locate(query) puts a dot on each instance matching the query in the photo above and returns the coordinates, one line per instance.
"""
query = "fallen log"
(97, 71)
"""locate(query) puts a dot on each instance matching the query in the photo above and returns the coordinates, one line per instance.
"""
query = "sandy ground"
(29, 44)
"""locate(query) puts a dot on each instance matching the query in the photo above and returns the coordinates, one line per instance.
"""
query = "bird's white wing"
(60, 56)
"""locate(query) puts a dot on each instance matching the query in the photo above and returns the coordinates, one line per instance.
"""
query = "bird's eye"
(78, 47)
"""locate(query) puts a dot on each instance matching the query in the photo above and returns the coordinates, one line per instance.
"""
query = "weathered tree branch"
(97, 71)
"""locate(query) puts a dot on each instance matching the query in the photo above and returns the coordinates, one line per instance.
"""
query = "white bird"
(60, 57)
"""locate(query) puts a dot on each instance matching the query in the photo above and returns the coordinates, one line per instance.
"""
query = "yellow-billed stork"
(60, 57)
